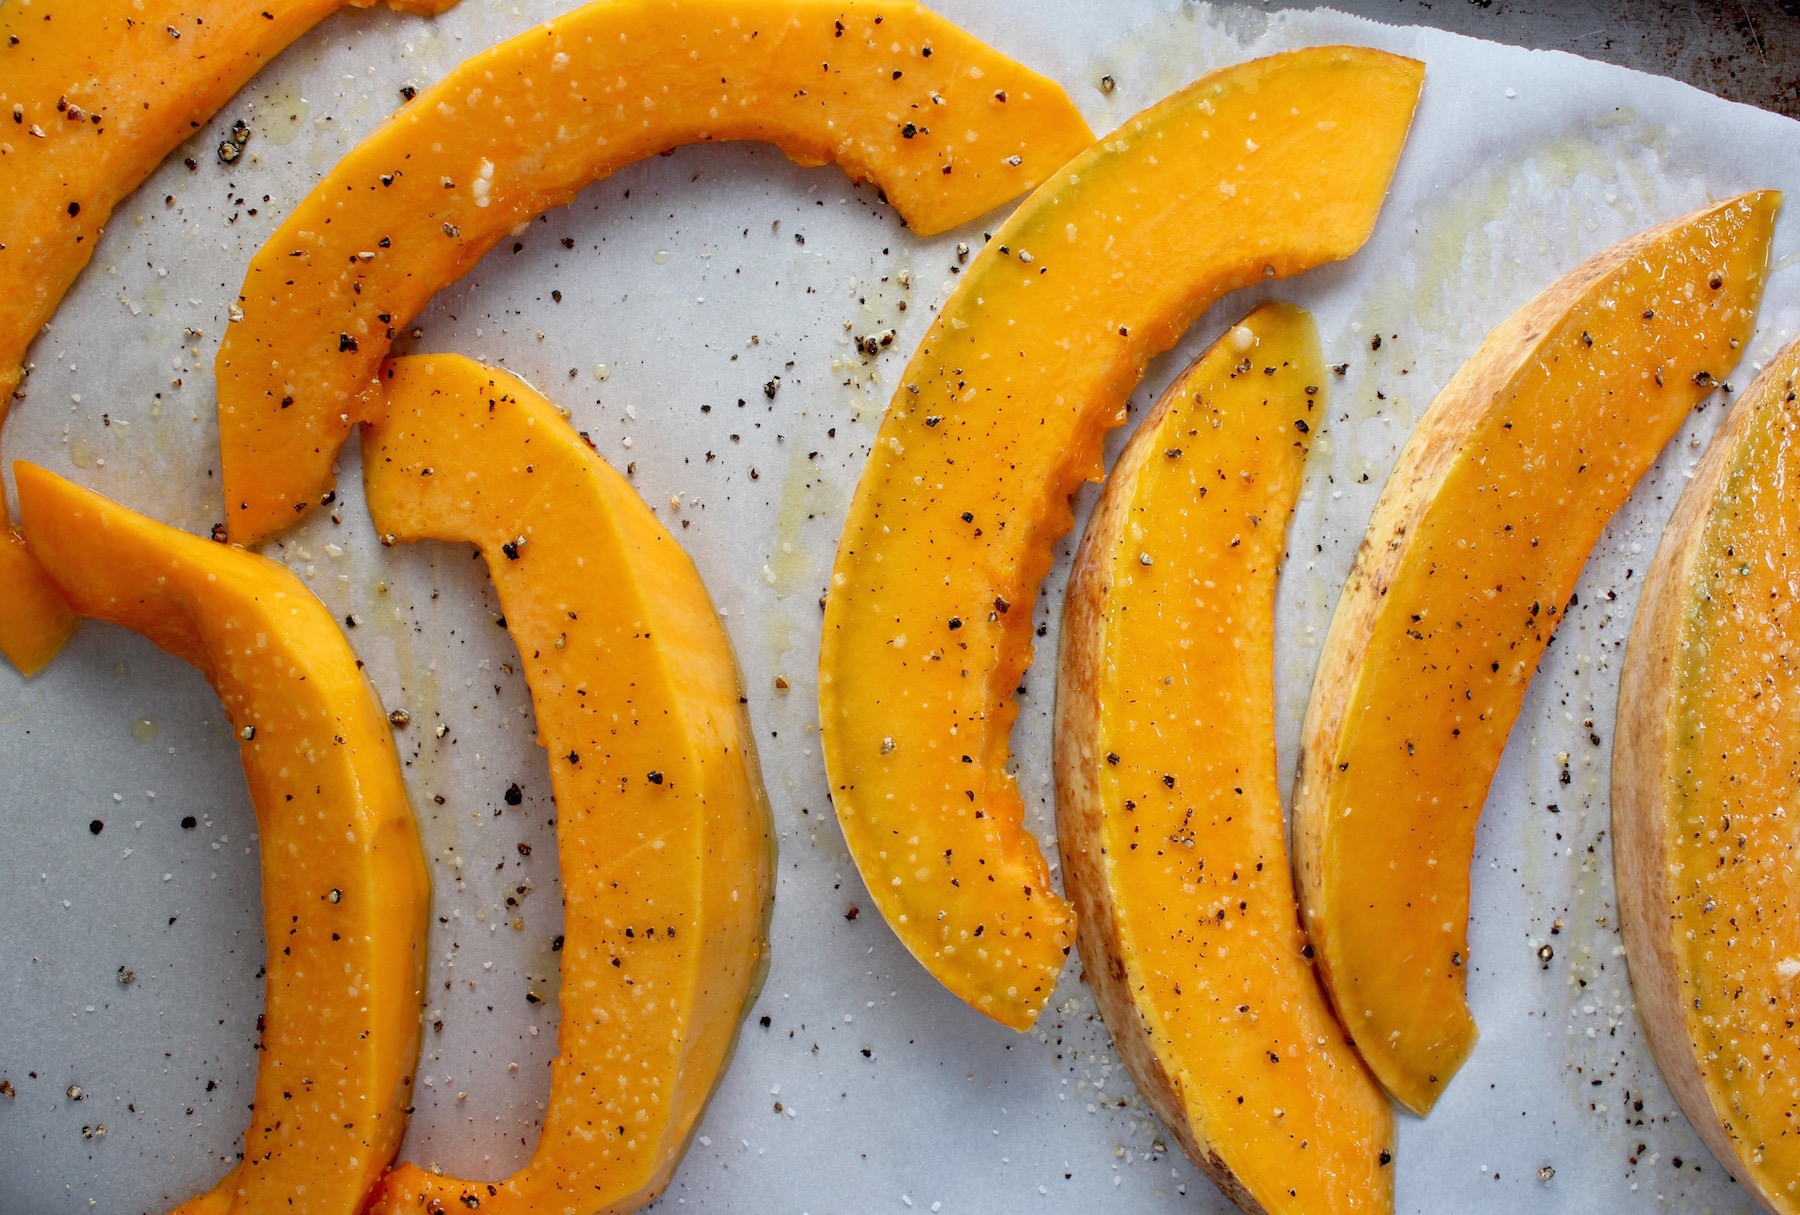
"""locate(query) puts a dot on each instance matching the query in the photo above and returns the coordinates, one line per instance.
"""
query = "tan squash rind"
(1421, 677)
(1653, 791)
(1195, 957)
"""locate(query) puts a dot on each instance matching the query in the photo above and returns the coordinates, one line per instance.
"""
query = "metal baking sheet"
(679, 293)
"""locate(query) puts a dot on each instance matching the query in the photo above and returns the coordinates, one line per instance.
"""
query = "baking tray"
(871, 1088)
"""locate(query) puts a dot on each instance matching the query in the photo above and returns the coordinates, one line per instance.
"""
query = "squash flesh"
(1703, 793)
(34, 620)
(1471, 555)
(663, 835)
(345, 894)
(1168, 815)
(130, 94)
(928, 621)
(520, 128)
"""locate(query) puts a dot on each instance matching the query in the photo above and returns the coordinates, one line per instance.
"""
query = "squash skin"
(140, 94)
(600, 599)
(928, 622)
(1167, 811)
(351, 868)
(317, 318)
(1420, 679)
(1707, 674)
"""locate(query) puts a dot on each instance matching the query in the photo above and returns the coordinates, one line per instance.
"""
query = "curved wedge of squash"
(663, 834)
(345, 896)
(93, 95)
(948, 127)
(1173, 842)
(1703, 794)
(1470, 556)
(1000, 417)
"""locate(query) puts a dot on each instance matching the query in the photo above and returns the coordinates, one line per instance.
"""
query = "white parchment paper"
(678, 294)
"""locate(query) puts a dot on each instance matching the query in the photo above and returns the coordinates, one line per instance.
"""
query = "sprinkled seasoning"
(232, 147)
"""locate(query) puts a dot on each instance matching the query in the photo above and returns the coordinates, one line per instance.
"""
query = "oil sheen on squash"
(662, 831)
(1704, 810)
(93, 95)
(345, 896)
(1464, 574)
(1252, 172)
(1173, 841)
(947, 127)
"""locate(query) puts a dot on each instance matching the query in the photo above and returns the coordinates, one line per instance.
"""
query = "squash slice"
(345, 896)
(1703, 794)
(1000, 417)
(1462, 577)
(98, 92)
(664, 837)
(948, 127)
(1173, 842)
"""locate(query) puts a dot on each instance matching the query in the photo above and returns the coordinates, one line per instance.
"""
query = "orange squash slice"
(948, 127)
(1473, 550)
(34, 620)
(1173, 842)
(664, 838)
(93, 95)
(345, 896)
(1252, 172)
(1703, 794)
